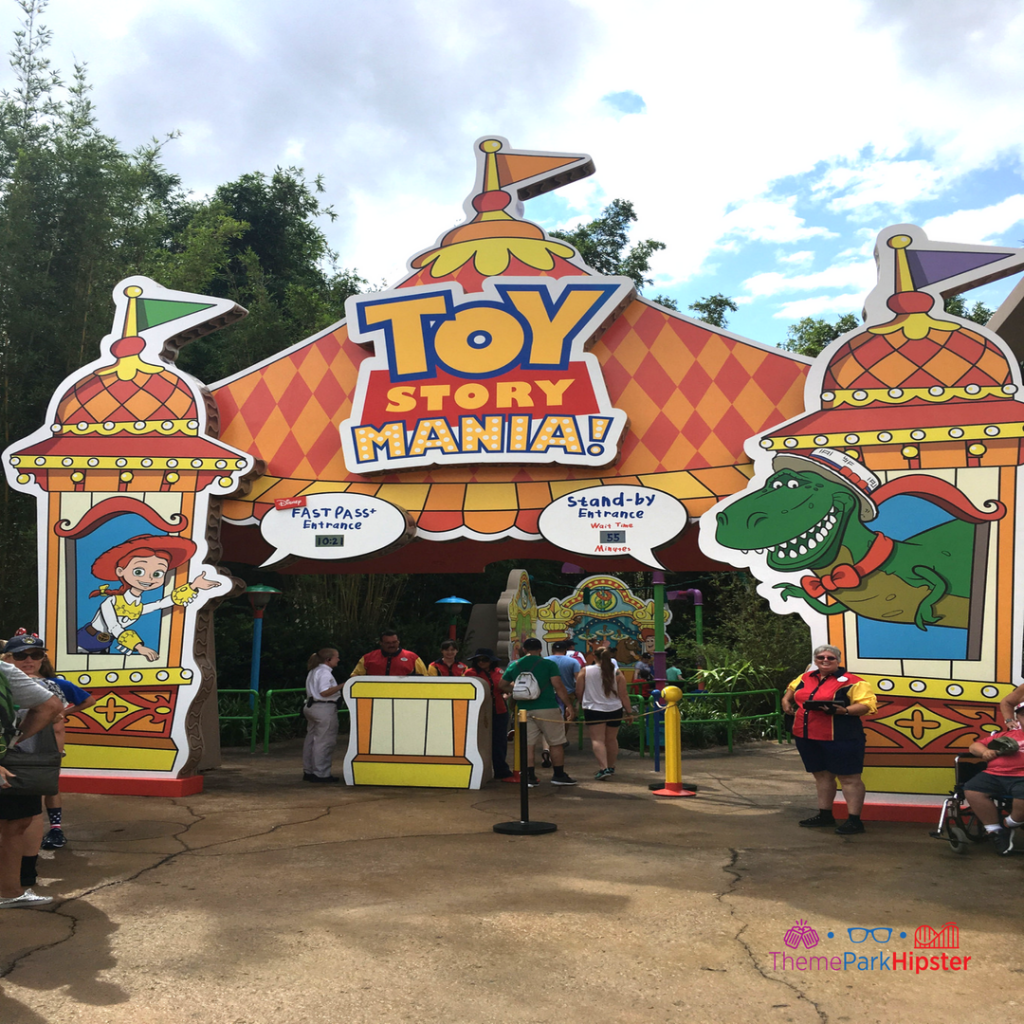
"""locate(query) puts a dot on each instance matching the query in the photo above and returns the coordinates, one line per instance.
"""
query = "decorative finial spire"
(131, 316)
(912, 308)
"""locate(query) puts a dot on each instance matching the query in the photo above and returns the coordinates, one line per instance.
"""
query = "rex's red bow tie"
(844, 576)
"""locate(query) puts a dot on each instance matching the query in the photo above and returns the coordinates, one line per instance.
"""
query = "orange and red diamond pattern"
(103, 398)
(944, 359)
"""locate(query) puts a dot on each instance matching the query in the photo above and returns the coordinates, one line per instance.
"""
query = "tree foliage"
(979, 312)
(712, 309)
(603, 244)
(78, 213)
(811, 335)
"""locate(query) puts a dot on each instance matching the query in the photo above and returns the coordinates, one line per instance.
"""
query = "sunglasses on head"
(22, 655)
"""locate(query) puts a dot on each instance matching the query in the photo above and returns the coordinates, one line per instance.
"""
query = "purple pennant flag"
(931, 266)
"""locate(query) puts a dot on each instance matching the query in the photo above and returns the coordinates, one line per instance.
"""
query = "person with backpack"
(537, 688)
(17, 810)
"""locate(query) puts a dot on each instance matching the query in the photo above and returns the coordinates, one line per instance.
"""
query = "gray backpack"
(525, 687)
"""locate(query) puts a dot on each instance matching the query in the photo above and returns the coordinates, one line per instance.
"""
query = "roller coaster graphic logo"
(948, 937)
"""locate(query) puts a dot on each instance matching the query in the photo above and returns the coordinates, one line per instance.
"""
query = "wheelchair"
(957, 824)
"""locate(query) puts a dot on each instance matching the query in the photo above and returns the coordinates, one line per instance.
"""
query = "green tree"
(811, 335)
(602, 244)
(78, 214)
(979, 312)
(712, 309)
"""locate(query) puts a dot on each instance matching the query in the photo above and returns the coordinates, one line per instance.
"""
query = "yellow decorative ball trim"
(909, 451)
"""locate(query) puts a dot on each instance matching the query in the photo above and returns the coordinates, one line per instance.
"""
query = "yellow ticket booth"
(417, 732)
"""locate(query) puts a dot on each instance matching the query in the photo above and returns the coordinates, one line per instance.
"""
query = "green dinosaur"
(804, 521)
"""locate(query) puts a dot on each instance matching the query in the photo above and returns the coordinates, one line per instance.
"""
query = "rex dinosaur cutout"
(806, 520)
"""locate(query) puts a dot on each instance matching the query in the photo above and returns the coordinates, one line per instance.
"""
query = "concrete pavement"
(264, 900)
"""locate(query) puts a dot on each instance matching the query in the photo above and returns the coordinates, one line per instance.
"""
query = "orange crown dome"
(128, 395)
(919, 357)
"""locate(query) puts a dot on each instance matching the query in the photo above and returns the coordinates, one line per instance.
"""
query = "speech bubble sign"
(610, 521)
(334, 525)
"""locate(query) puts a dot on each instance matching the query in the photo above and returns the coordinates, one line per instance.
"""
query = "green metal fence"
(252, 716)
(295, 709)
(702, 707)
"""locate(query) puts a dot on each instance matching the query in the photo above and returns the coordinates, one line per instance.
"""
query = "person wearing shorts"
(601, 689)
(18, 810)
(544, 718)
(830, 738)
(1003, 778)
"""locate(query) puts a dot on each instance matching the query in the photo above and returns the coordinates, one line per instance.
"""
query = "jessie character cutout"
(141, 564)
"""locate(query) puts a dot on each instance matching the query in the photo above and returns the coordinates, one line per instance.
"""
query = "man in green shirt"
(674, 674)
(543, 715)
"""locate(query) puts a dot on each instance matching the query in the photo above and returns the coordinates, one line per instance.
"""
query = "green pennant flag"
(153, 312)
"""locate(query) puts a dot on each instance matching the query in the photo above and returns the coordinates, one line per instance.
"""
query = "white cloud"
(770, 220)
(845, 275)
(881, 185)
(797, 259)
(977, 226)
(800, 308)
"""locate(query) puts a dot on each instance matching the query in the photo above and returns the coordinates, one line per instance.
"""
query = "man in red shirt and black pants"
(1003, 777)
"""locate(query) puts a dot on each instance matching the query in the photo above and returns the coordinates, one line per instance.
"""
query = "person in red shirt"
(448, 664)
(484, 665)
(390, 659)
(829, 736)
(1003, 777)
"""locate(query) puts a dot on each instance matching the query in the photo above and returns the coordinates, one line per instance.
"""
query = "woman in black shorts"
(17, 811)
(829, 703)
(601, 691)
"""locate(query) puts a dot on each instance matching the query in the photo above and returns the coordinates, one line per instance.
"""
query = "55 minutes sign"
(497, 377)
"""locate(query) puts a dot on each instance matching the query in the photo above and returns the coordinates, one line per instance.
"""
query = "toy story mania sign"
(504, 377)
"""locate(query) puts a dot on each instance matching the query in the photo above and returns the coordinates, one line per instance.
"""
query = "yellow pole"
(673, 745)
(520, 716)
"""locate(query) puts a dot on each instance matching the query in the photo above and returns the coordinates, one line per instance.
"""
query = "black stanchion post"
(524, 827)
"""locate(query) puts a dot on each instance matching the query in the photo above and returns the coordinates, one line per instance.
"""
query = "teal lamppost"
(454, 602)
(259, 597)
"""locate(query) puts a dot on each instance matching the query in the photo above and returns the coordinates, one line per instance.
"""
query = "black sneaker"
(531, 779)
(1002, 841)
(54, 840)
(850, 828)
(308, 777)
(561, 779)
(819, 821)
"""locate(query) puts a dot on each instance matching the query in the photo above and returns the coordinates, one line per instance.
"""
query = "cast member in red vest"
(390, 659)
(828, 703)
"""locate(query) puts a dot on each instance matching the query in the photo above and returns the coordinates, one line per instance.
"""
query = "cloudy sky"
(765, 144)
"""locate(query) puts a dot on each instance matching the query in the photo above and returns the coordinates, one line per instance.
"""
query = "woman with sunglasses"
(28, 652)
(829, 703)
(17, 811)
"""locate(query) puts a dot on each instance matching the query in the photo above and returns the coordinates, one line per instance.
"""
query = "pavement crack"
(732, 868)
(59, 907)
